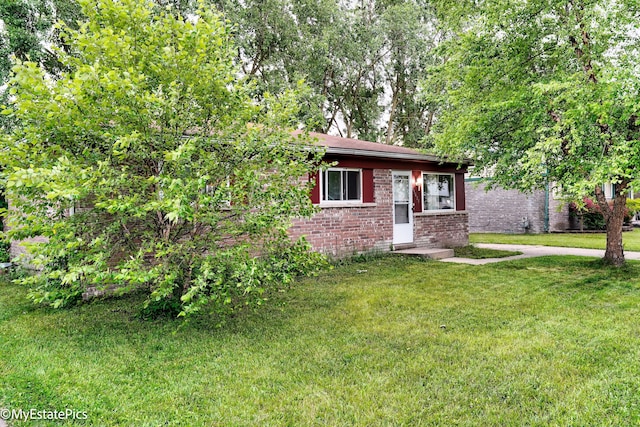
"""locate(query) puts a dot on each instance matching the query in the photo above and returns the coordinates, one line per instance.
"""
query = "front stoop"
(431, 253)
(402, 246)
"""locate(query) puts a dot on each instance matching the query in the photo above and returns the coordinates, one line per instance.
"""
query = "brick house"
(379, 197)
(512, 211)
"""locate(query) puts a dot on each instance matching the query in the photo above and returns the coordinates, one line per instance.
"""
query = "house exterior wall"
(366, 222)
(18, 249)
(344, 230)
(558, 215)
(348, 229)
(440, 230)
(511, 211)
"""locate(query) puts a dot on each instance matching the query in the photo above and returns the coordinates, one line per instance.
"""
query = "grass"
(393, 341)
(631, 239)
(474, 252)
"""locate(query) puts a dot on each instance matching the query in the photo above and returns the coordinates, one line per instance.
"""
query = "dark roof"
(356, 147)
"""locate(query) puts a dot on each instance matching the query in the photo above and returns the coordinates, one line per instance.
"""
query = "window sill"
(347, 205)
(440, 212)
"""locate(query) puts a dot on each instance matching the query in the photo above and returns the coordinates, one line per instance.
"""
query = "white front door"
(402, 208)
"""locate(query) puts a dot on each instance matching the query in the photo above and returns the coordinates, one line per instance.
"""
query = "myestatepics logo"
(41, 414)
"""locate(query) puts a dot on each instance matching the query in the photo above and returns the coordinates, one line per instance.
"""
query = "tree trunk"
(614, 219)
(614, 254)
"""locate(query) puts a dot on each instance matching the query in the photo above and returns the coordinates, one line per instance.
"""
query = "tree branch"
(602, 203)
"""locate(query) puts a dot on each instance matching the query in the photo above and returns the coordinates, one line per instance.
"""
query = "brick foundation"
(441, 230)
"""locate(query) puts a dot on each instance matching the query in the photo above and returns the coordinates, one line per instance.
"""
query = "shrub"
(147, 164)
(633, 205)
(4, 251)
(5, 245)
(591, 214)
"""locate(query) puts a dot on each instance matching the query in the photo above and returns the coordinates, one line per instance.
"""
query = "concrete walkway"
(530, 251)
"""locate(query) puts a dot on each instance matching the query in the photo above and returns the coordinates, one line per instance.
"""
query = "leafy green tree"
(352, 80)
(412, 36)
(28, 31)
(363, 60)
(147, 165)
(547, 91)
(26, 28)
(281, 41)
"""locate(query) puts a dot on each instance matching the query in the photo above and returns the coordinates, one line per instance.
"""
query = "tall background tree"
(363, 60)
(27, 33)
(147, 164)
(543, 91)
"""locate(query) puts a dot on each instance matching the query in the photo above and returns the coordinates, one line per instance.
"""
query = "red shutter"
(315, 191)
(416, 186)
(460, 197)
(367, 186)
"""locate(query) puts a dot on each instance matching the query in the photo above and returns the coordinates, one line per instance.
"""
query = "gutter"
(390, 155)
(546, 207)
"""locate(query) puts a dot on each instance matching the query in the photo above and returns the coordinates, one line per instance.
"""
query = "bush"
(633, 205)
(147, 164)
(591, 214)
(5, 256)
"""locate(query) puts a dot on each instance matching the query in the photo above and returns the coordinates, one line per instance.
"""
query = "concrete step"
(431, 253)
(403, 246)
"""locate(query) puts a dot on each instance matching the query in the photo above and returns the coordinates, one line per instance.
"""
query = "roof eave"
(393, 156)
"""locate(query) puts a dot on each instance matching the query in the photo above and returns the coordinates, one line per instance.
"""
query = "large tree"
(412, 37)
(363, 60)
(147, 165)
(547, 91)
(27, 32)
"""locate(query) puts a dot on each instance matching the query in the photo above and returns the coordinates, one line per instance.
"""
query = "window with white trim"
(438, 192)
(609, 190)
(341, 185)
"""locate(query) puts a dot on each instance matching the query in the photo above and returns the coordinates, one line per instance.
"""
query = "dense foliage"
(543, 91)
(633, 206)
(363, 61)
(5, 245)
(588, 214)
(27, 33)
(148, 165)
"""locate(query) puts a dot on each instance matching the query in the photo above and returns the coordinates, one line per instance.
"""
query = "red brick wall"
(342, 231)
(442, 230)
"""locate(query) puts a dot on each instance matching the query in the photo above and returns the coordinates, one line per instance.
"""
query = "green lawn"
(474, 252)
(393, 341)
(631, 239)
